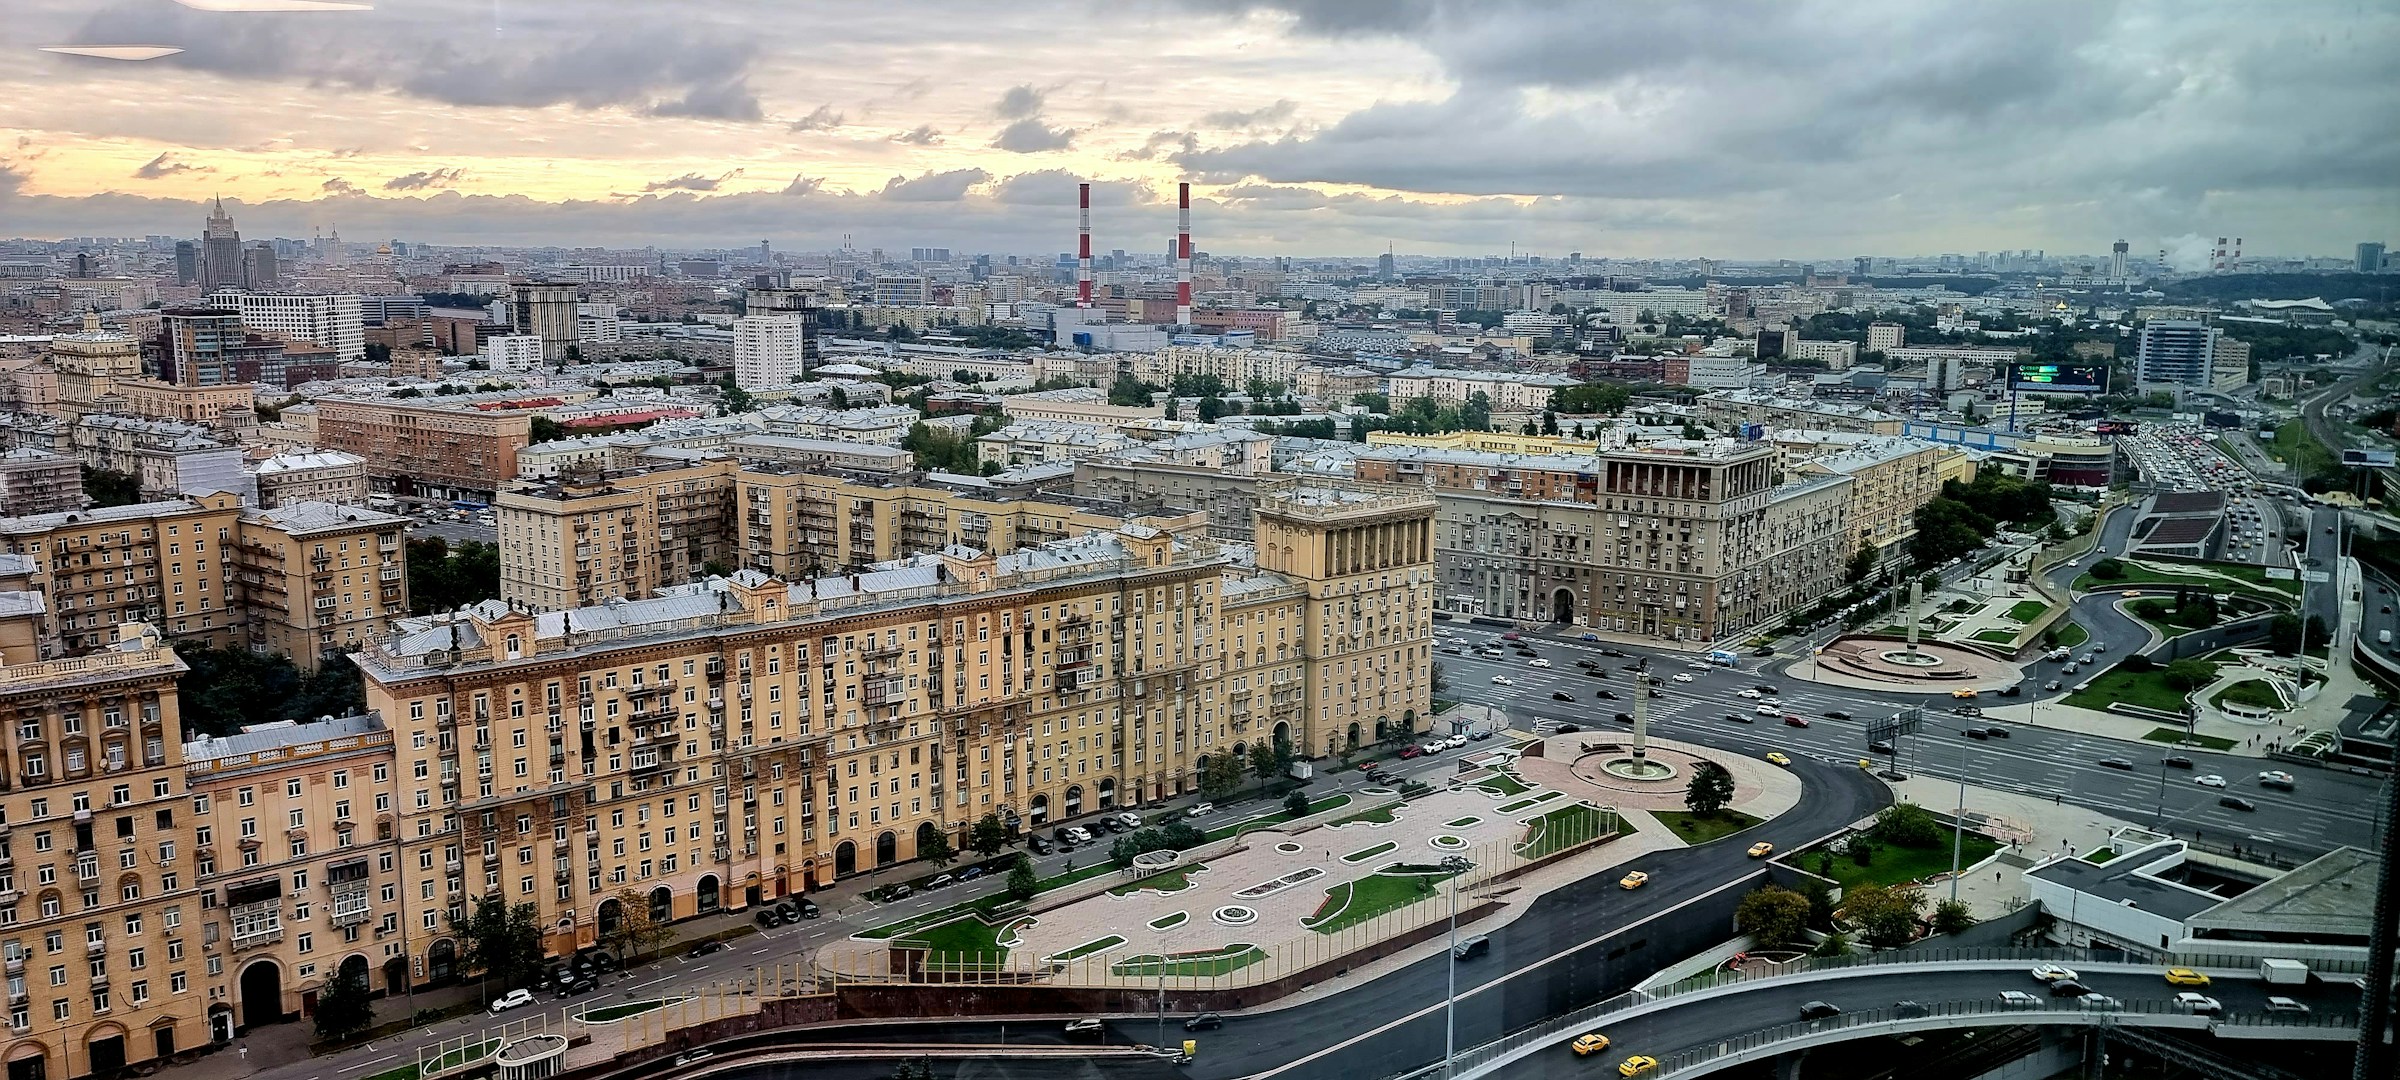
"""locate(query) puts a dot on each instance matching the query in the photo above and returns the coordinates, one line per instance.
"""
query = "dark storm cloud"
(420, 181)
(1032, 136)
(164, 165)
(648, 57)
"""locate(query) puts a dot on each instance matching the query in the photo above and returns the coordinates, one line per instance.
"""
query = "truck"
(1722, 658)
(2383, 637)
(2283, 972)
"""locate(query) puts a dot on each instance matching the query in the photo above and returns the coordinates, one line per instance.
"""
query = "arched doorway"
(262, 994)
(1040, 812)
(29, 1061)
(1562, 606)
(441, 962)
(662, 905)
(395, 975)
(1353, 734)
(927, 834)
(710, 894)
(1108, 793)
(104, 1050)
(1283, 738)
(1074, 800)
(610, 914)
(845, 859)
(887, 849)
(356, 968)
(1383, 729)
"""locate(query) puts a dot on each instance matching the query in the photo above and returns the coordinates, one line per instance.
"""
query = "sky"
(1738, 129)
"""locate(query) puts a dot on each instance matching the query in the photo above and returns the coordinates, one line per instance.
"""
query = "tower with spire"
(220, 249)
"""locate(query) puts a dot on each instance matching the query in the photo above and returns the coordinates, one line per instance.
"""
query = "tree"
(344, 1006)
(1862, 564)
(440, 579)
(2108, 570)
(543, 429)
(502, 941)
(733, 398)
(2185, 676)
(1297, 802)
(1127, 390)
(1441, 679)
(939, 852)
(1772, 917)
(1835, 944)
(107, 488)
(988, 836)
(1886, 915)
(1262, 762)
(1820, 899)
(1711, 788)
(574, 354)
(1947, 529)
(1952, 917)
(1374, 403)
(1907, 824)
(1021, 882)
(2283, 635)
(838, 398)
(1220, 775)
(1476, 414)
(635, 929)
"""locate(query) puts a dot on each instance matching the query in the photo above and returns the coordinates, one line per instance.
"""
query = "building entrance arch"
(262, 993)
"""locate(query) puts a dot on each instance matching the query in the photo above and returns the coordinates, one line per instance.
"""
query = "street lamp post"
(1457, 865)
(1958, 820)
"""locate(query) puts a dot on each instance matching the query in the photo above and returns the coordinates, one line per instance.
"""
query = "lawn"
(1169, 921)
(1364, 854)
(2295, 447)
(1702, 828)
(2252, 692)
(2070, 634)
(1354, 902)
(1527, 804)
(1080, 873)
(1561, 829)
(2250, 580)
(968, 940)
(1212, 962)
(2099, 855)
(1381, 815)
(1894, 865)
(1175, 880)
(2026, 611)
(1503, 785)
(622, 1010)
(2176, 736)
(1996, 637)
(2147, 689)
(1088, 948)
(1330, 802)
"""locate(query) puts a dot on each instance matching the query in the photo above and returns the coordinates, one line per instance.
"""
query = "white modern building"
(332, 320)
(512, 352)
(767, 351)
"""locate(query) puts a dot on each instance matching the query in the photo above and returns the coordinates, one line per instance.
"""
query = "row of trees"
(229, 689)
(441, 578)
(950, 450)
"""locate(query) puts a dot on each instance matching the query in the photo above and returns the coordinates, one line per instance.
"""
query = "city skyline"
(1305, 128)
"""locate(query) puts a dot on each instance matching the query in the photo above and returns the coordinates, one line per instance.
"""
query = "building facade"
(2175, 352)
(317, 578)
(768, 351)
(426, 450)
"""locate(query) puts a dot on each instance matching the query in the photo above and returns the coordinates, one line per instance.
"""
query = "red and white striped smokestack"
(1083, 248)
(1183, 254)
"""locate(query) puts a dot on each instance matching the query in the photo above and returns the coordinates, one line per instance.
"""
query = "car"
(973, 872)
(1763, 650)
(1588, 1043)
(2176, 761)
(1503, 680)
(1633, 879)
(1457, 741)
(941, 881)
(1683, 676)
(1596, 673)
(1587, 636)
(1767, 710)
(1408, 752)
(2012, 690)
(2236, 802)
(1080, 835)
(1836, 714)
(2053, 973)
(1975, 733)
(1768, 689)
(1819, 1010)
(1656, 692)
(573, 988)
(2100, 646)
(693, 1057)
(1737, 718)
(1604, 694)
(1996, 732)
(2068, 988)
(1561, 695)
(2116, 763)
(1113, 825)
(2052, 685)
(1747, 692)
(1772, 703)
(512, 999)
(1962, 693)
(2210, 780)
(2275, 778)
(1624, 718)
(2098, 1003)
(2199, 1004)
(1777, 757)
(706, 947)
(1761, 850)
(1481, 734)
(1434, 747)
(1637, 1065)
(1453, 650)
(2084, 659)
(2178, 976)
(1968, 710)
(1880, 746)
(1207, 1021)
(1512, 636)
(1612, 652)
(2068, 669)
(2286, 1005)
(1200, 809)
(1794, 720)
(2018, 999)
(1089, 1025)
(1537, 662)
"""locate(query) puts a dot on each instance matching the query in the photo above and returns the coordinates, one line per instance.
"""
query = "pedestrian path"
(2037, 828)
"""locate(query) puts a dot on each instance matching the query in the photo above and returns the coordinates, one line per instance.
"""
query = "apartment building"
(40, 482)
(1892, 477)
(333, 321)
(1730, 409)
(1033, 442)
(1508, 391)
(1236, 367)
(315, 578)
(746, 737)
(311, 476)
(587, 537)
(170, 458)
(426, 450)
(90, 362)
(117, 971)
(292, 840)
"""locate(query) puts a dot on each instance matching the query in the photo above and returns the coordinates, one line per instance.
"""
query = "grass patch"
(2176, 737)
(1231, 958)
(1996, 637)
(1702, 828)
(2070, 634)
(1175, 880)
(1460, 823)
(1169, 921)
(1364, 854)
(1894, 865)
(1561, 829)
(1354, 902)
(2295, 447)
(2026, 611)
(2099, 855)
(2252, 692)
(1381, 815)
(2147, 689)
(1089, 947)
(620, 1011)
(962, 941)
(2250, 580)
(448, 1061)
(1520, 804)
(1331, 802)
(1080, 873)
(1503, 785)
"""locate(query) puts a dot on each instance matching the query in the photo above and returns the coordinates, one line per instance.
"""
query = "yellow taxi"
(1866, 764)
(1588, 1044)
(1962, 693)
(1777, 757)
(1633, 880)
(2185, 977)
(1637, 1065)
(1761, 850)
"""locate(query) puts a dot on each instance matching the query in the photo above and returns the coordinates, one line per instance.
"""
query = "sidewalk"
(2039, 830)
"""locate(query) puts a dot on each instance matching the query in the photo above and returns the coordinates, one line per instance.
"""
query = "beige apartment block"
(311, 476)
(586, 537)
(426, 450)
(747, 737)
(318, 578)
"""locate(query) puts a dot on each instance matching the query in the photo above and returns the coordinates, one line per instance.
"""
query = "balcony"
(257, 939)
(95, 946)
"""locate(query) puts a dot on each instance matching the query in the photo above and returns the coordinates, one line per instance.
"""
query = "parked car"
(510, 1000)
(1207, 1021)
(2176, 761)
(1039, 845)
(706, 947)
(1408, 752)
(1561, 695)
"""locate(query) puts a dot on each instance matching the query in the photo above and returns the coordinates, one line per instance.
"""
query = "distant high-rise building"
(2175, 352)
(220, 249)
(337, 322)
(2370, 257)
(258, 266)
(547, 311)
(766, 254)
(187, 263)
(778, 300)
(1861, 265)
(2116, 260)
(1385, 268)
(1884, 337)
(767, 351)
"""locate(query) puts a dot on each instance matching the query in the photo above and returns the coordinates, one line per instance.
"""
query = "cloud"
(1056, 188)
(419, 181)
(821, 118)
(1162, 142)
(728, 99)
(1263, 115)
(1032, 136)
(339, 186)
(12, 179)
(691, 182)
(948, 186)
(165, 165)
(804, 185)
(921, 135)
(1021, 102)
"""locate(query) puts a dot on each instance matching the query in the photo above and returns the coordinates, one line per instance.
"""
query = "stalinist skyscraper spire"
(220, 249)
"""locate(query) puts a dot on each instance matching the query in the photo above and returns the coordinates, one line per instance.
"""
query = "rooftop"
(2123, 880)
(301, 518)
(284, 734)
(2333, 895)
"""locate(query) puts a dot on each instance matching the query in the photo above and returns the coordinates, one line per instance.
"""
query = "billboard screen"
(2117, 427)
(2061, 378)
(2373, 459)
